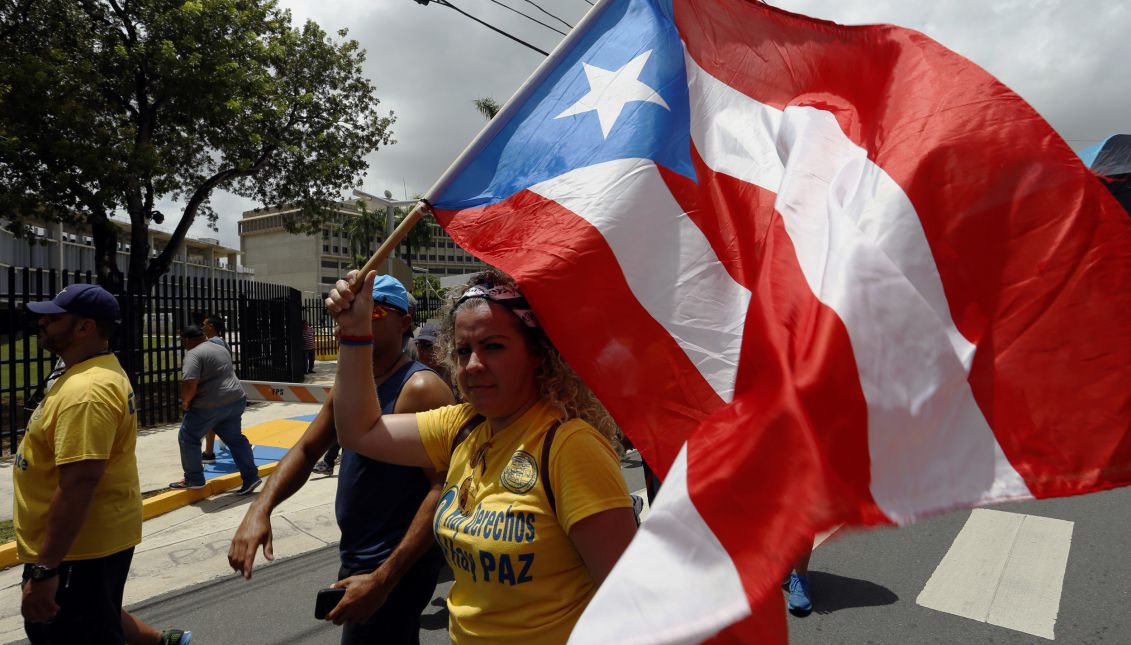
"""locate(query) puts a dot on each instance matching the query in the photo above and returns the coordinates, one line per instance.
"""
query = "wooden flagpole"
(390, 243)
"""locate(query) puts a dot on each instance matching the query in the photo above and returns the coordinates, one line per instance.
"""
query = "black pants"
(331, 455)
(309, 360)
(398, 620)
(90, 602)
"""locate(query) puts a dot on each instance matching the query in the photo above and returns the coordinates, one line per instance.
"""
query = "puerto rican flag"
(818, 274)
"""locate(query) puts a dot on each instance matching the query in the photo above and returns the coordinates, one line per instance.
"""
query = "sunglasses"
(381, 311)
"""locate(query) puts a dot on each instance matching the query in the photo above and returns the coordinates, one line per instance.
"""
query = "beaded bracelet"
(355, 341)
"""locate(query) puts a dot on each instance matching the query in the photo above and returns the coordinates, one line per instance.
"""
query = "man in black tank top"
(389, 562)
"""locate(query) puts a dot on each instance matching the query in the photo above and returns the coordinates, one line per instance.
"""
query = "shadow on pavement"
(437, 621)
(435, 616)
(832, 593)
(224, 501)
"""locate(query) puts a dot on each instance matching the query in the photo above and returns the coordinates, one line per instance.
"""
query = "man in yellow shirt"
(77, 497)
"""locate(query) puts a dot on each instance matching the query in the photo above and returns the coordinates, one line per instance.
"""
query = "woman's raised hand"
(353, 312)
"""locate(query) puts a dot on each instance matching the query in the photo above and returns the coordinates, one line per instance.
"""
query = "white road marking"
(1005, 569)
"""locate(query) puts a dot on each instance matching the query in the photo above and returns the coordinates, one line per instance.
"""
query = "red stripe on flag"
(1034, 254)
(571, 277)
(786, 320)
(802, 416)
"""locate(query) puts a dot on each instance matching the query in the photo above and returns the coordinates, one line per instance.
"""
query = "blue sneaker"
(799, 601)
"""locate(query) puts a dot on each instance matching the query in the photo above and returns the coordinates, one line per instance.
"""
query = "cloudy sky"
(1068, 58)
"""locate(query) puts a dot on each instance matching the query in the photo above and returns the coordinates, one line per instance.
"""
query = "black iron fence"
(427, 307)
(326, 344)
(263, 328)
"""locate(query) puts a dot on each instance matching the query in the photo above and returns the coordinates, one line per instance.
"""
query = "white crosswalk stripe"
(1005, 569)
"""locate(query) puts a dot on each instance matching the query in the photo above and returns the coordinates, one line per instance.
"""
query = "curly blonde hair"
(558, 384)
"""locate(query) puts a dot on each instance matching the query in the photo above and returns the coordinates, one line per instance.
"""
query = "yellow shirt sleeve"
(438, 427)
(585, 474)
(86, 430)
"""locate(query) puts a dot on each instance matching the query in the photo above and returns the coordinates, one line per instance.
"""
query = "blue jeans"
(225, 422)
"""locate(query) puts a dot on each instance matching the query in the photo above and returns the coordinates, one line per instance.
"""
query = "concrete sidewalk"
(189, 545)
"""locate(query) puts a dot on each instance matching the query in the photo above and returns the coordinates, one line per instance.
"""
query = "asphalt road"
(277, 604)
(865, 587)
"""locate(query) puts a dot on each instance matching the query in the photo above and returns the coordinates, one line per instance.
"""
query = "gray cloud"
(429, 63)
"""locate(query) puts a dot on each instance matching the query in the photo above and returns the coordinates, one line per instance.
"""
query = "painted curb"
(163, 503)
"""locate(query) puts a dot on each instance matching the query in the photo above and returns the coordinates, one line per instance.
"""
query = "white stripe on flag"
(863, 252)
(674, 547)
(667, 262)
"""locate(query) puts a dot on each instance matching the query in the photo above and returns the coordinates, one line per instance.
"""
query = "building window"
(325, 248)
(337, 249)
(329, 264)
(328, 280)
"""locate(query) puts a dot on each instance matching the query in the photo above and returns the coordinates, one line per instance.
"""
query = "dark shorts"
(398, 620)
(90, 602)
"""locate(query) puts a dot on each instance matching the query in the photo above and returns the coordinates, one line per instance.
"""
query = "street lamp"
(389, 203)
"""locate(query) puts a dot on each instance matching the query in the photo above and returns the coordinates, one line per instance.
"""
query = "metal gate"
(271, 337)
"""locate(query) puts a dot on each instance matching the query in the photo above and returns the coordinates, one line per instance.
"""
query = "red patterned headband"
(508, 297)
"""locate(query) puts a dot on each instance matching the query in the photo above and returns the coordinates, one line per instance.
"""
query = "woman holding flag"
(535, 511)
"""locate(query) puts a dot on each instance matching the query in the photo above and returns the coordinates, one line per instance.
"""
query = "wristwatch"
(41, 572)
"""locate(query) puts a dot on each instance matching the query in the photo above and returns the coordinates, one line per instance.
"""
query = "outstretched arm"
(361, 427)
(289, 476)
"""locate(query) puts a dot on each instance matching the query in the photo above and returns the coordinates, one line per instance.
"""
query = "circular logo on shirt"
(520, 474)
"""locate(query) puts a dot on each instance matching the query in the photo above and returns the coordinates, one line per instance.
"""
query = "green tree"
(419, 237)
(426, 285)
(362, 232)
(109, 106)
(487, 107)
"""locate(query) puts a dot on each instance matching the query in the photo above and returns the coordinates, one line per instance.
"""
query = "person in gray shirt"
(213, 328)
(212, 399)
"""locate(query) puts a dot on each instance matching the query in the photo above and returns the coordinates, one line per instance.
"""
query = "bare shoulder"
(424, 390)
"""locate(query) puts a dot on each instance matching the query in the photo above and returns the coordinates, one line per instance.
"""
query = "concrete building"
(312, 263)
(69, 247)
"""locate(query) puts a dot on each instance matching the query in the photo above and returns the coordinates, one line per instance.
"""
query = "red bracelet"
(355, 340)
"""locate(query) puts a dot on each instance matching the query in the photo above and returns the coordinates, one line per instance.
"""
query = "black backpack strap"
(544, 466)
(464, 431)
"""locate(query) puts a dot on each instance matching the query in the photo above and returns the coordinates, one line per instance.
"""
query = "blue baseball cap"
(387, 290)
(427, 332)
(86, 300)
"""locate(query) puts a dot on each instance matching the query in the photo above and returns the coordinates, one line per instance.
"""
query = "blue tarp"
(1112, 156)
(1111, 160)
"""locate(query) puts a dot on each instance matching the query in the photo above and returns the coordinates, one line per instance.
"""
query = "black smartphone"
(326, 600)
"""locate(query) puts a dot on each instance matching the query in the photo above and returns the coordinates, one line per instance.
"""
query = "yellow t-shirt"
(518, 578)
(89, 413)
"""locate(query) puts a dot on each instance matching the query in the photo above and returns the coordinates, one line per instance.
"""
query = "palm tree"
(419, 237)
(487, 107)
(362, 232)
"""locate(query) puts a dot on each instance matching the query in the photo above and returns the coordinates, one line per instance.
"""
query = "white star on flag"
(610, 90)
